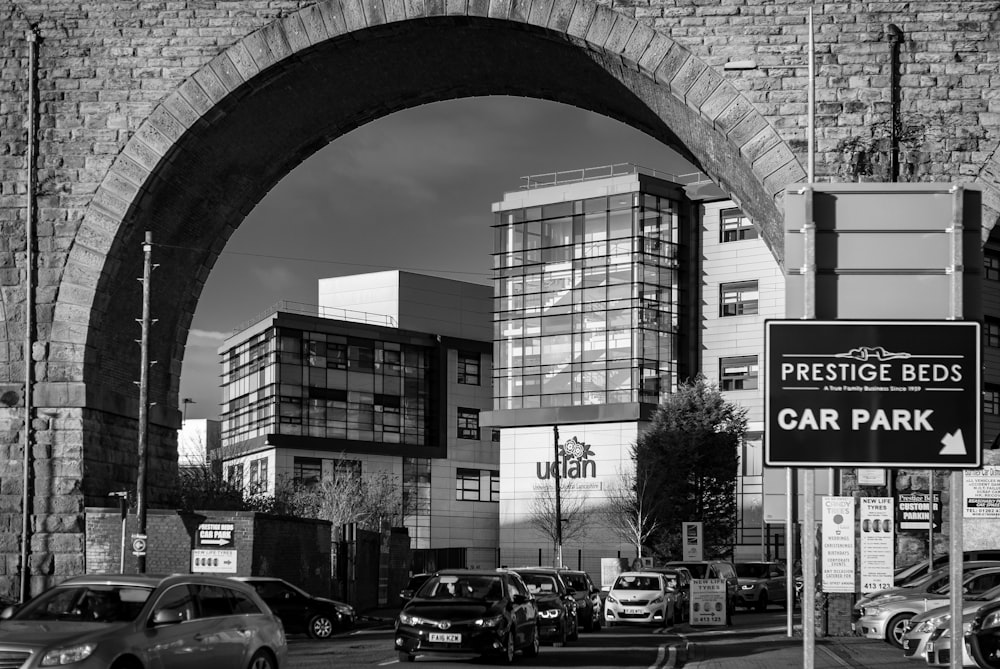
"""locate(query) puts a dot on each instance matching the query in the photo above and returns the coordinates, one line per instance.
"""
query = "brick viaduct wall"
(144, 108)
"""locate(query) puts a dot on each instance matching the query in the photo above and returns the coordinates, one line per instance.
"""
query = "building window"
(234, 474)
(991, 332)
(494, 485)
(738, 373)
(468, 423)
(991, 265)
(477, 485)
(307, 471)
(258, 476)
(734, 226)
(495, 436)
(346, 469)
(991, 399)
(468, 368)
(738, 298)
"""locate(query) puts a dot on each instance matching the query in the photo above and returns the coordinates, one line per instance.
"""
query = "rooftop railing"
(318, 311)
(605, 171)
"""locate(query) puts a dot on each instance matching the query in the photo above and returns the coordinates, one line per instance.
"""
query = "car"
(928, 583)
(557, 616)
(180, 621)
(701, 569)
(679, 579)
(589, 604)
(640, 597)
(300, 611)
(924, 627)
(417, 580)
(761, 584)
(888, 618)
(983, 637)
(904, 575)
(480, 611)
(938, 648)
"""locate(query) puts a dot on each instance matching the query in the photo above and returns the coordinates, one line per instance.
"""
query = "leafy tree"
(200, 487)
(688, 460)
(542, 512)
(630, 512)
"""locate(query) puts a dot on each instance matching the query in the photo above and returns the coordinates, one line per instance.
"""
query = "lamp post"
(558, 519)
(186, 401)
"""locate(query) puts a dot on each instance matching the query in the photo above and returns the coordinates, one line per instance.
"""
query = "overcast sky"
(411, 191)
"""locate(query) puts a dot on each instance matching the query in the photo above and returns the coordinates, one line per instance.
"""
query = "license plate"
(906, 644)
(930, 647)
(633, 611)
(437, 637)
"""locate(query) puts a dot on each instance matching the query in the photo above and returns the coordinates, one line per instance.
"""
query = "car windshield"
(576, 581)
(449, 586)
(672, 580)
(88, 603)
(752, 570)
(540, 584)
(697, 570)
(629, 582)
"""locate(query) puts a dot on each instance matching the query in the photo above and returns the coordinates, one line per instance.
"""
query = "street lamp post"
(186, 401)
(558, 518)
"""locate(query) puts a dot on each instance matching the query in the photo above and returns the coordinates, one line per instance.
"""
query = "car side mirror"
(8, 612)
(167, 617)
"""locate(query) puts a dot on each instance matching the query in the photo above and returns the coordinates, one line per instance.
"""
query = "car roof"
(145, 580)
(640, 573)
(471, 572)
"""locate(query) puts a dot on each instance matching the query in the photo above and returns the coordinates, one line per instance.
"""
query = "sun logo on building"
(573, 448)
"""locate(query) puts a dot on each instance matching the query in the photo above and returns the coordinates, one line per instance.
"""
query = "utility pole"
(140, 484)
(555, 466)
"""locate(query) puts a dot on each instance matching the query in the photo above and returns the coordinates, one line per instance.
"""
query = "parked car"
(760, 584)
(299, 611)
(904, 575)
(679, 580)
(715, 569)
(928, 583)
(183, 621)
(983, 637)
(937, 651)
(589, 604)
(469, 611)
(640, 597)
(888, 618)
(921, 628)
(417, 580)
(557, 617)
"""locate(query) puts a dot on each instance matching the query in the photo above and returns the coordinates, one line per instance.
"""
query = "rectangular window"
(734, 226)
(738, 298)
(494, 485)
(307, 471)
(258, 476)
(468, 368)
(235, 476)
(495, 436)
(468, 423)
(738, 373)
(991, 332)
(991, 265)
(991, 399)
(467, 485)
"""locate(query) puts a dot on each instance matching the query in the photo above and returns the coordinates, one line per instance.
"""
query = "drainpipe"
(895, 37)
(29, 311)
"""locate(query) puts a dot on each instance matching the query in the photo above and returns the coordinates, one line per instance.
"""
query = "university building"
(389, 373)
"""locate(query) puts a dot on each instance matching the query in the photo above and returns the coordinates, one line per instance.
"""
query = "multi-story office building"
(608, 291)
(388, 374)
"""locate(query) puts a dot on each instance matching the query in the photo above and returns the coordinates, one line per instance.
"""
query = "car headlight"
(345, 610)
(930, 624)
(495, 621)
(612, 599)
(873, 610)
(68, 655)
(658, 600)
(991, 621)
(407, 619)
(549, 613)
(746, 587)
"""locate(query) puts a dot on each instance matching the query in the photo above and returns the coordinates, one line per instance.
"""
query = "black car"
(588, 598)
(417, 580)
(469, 611)
(557, 619)
(298, 610)
(983, 638)
(679, 579)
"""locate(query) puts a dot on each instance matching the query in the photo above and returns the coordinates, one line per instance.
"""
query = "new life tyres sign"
(861, 393)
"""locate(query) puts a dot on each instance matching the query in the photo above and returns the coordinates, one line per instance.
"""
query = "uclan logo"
(576, 463)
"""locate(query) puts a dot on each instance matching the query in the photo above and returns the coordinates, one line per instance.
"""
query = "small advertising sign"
(206, 561)
(692, 541)
(708, 601)
(215, 535)
(912, 511)
(838, 544)
(981, 492)
(877, 544)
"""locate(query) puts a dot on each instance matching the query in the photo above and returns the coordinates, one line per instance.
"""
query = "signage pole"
(955, 511)
(809, 474)
(791, 501)
(558, 519)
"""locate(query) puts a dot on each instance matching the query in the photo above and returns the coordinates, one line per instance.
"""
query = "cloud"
(208, 334)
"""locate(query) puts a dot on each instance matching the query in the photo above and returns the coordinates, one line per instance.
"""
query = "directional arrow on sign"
(954, 444)
(215, 542)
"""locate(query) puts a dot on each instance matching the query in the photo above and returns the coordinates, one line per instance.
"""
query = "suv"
(299, 611)
(557, 617)
(761, 583)
(483, 611)
(103, 621)
(701, 569)
(588, 598)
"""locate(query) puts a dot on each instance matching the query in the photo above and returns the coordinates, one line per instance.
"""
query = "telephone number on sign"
(870, 587)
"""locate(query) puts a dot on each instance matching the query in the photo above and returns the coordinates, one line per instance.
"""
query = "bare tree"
(627, 512)
(373, 501)
(542, 512)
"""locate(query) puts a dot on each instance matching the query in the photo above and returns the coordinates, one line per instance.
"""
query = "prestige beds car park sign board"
(861, 393)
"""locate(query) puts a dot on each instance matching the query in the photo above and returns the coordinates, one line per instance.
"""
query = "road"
(619, 647)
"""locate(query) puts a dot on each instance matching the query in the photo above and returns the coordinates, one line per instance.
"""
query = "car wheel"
(405, 657)
(762, 601)
(896, 628)
(320, 627)
(532, 650)
(262, 660)
(127, 663)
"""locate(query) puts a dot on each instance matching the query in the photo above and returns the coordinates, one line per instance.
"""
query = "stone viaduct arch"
(234, 97)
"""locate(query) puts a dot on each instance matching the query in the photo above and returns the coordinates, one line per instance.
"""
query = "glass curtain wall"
(586, 301)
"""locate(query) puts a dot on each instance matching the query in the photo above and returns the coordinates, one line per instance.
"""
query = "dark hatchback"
(983, 638)
(589, 604)
(298, 610)
(557, 619)
(469, 611)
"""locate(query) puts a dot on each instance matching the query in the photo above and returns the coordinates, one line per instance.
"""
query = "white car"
(923, 626)
(938, 648)
(640, 597)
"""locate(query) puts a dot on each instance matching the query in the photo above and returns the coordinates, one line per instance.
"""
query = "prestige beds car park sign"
(858, 393)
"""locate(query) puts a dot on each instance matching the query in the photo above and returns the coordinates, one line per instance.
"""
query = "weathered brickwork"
(176, 118)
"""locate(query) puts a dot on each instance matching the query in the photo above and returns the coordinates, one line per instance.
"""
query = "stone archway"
(211, 150)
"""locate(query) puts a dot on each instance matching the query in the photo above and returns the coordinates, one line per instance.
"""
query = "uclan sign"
(576, 463)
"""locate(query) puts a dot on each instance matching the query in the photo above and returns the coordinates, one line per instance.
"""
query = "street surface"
(619, 647)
